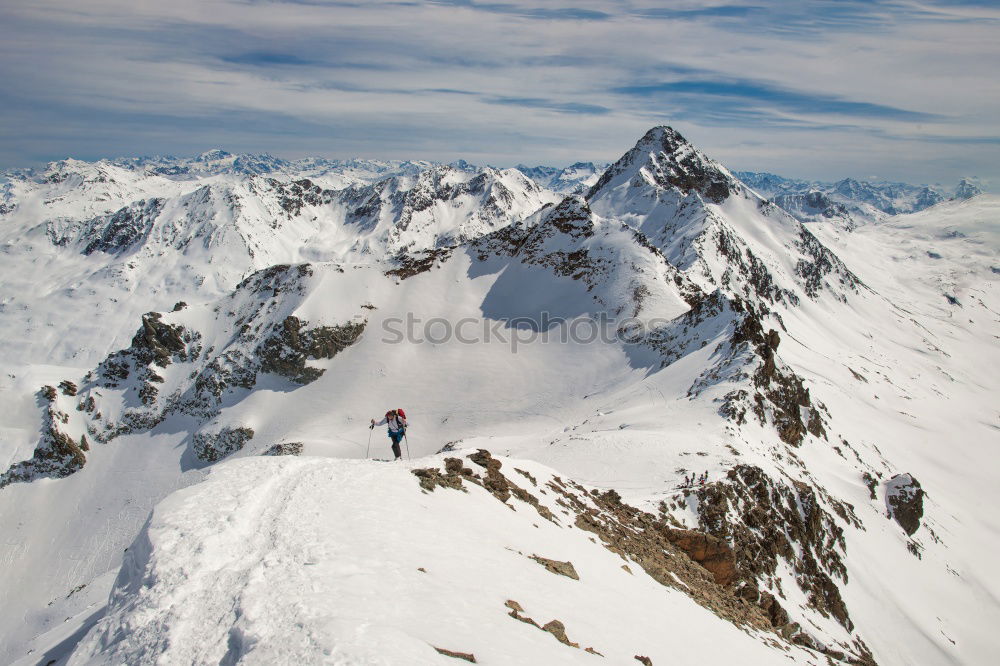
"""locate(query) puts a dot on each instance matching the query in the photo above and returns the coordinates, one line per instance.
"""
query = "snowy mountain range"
(849, 201)
(654, 416)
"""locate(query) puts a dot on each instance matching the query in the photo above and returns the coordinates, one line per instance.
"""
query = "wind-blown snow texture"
(168, 321)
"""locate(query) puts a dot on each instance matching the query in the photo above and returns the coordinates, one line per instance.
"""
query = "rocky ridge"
(700, 563)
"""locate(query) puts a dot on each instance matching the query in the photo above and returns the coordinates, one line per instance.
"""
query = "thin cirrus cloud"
(530, 11)
(540, 103)
(746, 93)
(268, 59)
(902, 88)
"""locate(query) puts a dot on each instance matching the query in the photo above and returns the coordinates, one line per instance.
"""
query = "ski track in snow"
(310, 560)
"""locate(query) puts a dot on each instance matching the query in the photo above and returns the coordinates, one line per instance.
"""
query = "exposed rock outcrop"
(415, 263)
(668, 160)
(284, 449)
(555, 566)
(904, 499)
(117, 232)
(635, 535)
(780, 396)
(465, 656)
(156, 343)
(710, 552)
(56, 455)
(213, 446)
(290, 345)
(767, 521)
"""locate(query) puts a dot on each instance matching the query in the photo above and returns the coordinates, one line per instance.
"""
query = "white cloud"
(901, 90)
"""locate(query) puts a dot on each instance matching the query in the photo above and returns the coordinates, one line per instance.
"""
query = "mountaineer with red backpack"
(395, 419)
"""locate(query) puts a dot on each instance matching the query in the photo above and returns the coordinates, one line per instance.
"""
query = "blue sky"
(895, 89)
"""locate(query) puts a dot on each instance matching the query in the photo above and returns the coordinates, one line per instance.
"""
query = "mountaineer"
(395, 419)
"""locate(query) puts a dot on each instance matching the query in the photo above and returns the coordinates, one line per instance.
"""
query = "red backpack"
(402, 414)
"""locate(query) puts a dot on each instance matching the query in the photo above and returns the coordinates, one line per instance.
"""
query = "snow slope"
(294, 561)
(100, 244)
(806, 371)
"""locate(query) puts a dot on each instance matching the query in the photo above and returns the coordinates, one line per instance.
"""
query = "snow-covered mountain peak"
(75, 172)
(664, 160)
(633, 340)
(967, 188)
(213, 155)
(713, 228)
(577, 178)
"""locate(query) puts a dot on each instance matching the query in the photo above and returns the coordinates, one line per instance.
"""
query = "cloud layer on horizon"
(893, 89)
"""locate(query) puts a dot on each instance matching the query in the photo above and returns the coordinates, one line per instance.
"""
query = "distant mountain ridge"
(850, 201)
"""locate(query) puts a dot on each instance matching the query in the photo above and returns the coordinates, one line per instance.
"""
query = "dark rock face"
(710, 552)
(284, 449)
(635, 535)
(415, 263)
(288, 348)
(779, 392)
(871, 483)
(495, 482)
(649, 541)
(277, 279)
(294, 196)
(155, 344)
(157, 341)
(117, 232)
(56, 454)
(572, 216)
(554, 243)
(741, 261)
(455, 472)
(767, 521)
(821, 265)
(558, 629)
(776, 395)
(904, 498)
(672, 162)
(211, 447)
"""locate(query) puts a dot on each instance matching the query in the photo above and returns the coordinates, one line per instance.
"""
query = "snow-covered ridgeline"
(798, 378)
(101, 244)
(850, 202)
(288, 560)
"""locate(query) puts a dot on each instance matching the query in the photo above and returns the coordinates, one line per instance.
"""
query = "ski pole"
(368, 450)
(407, 440)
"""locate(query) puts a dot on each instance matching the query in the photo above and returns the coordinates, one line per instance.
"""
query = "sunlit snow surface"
(316, 559)
(347, 562)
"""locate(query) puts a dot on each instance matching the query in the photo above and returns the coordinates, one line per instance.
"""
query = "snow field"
(316, 560)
